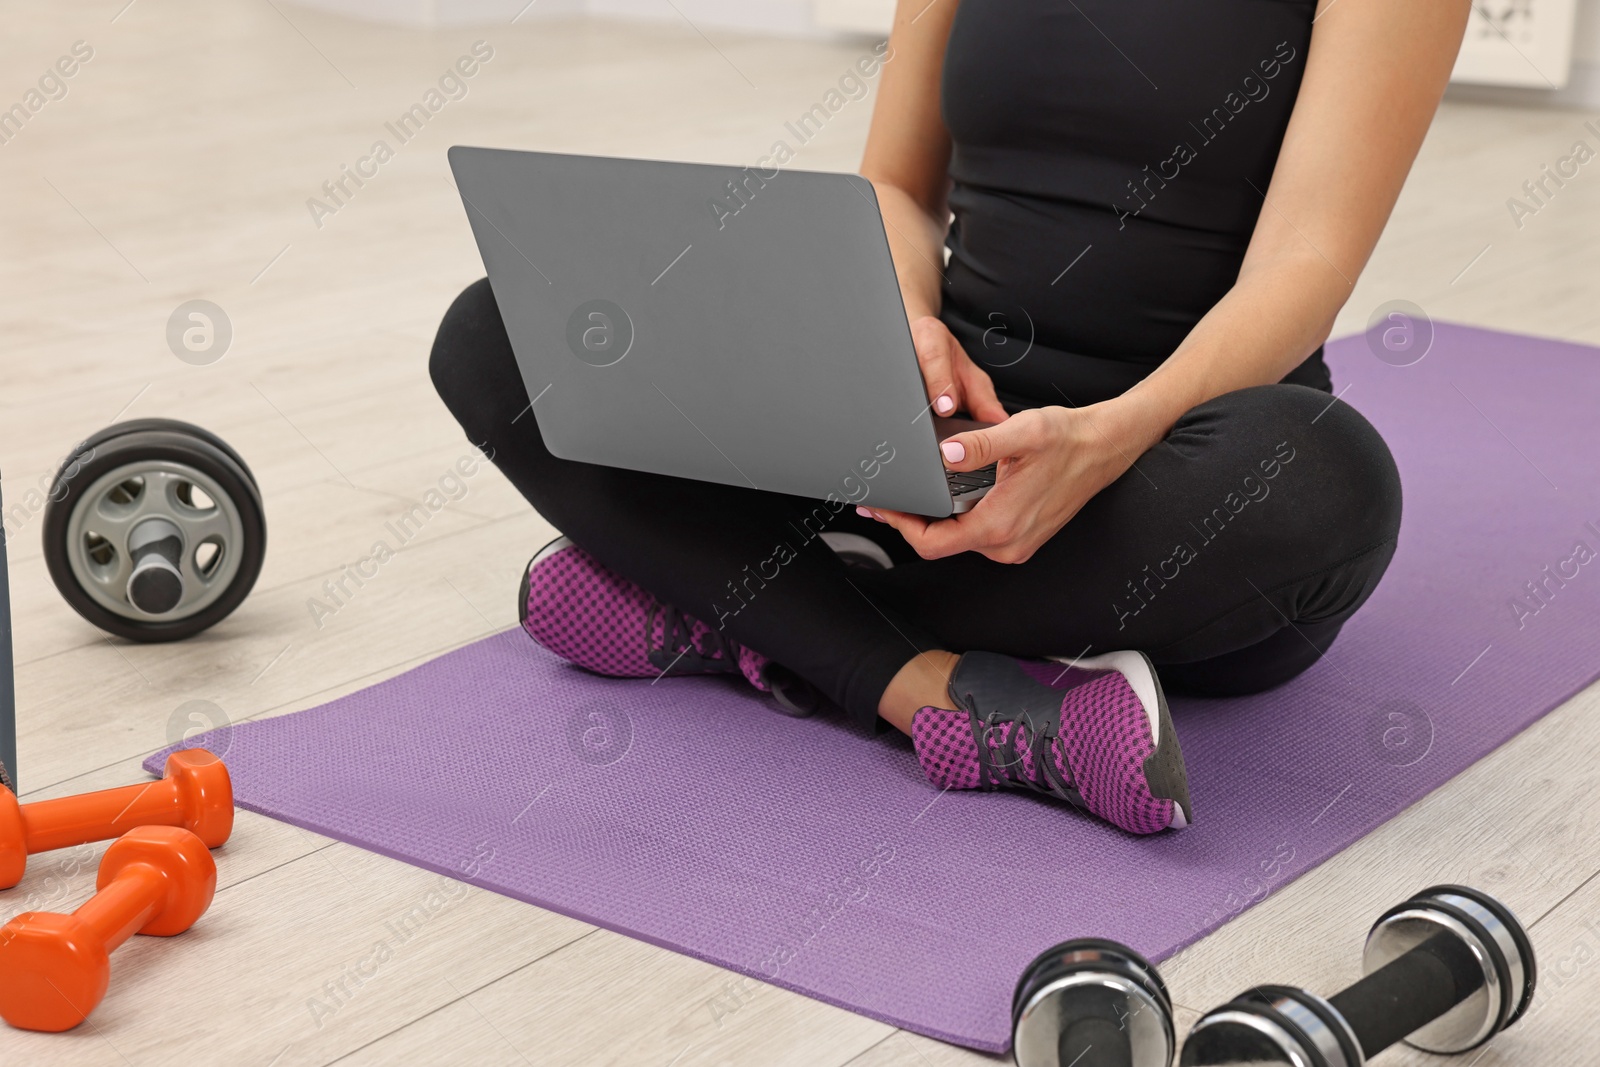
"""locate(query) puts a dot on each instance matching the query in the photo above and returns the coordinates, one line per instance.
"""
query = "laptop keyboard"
(963, 482)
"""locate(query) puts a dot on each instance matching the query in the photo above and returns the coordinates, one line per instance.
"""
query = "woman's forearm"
(1276, 315)
(916, 241)
(1374, 75)
(907, 157)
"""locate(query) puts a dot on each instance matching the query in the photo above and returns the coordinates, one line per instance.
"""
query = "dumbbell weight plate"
(1235, 1037)
(1098, 984)
(1497, 941)
(1280, 1026)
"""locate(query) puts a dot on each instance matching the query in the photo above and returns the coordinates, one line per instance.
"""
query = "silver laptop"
(723, 324)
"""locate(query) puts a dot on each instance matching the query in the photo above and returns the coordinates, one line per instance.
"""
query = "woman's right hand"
(955, 383)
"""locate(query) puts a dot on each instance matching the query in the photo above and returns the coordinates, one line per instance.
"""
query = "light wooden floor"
(178, 166)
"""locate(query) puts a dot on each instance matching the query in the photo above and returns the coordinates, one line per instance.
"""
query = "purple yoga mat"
(689, 815)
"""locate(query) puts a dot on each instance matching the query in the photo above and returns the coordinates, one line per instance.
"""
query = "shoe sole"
(1164, 769)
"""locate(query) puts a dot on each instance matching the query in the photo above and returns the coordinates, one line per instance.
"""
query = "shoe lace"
(678, 652)
(1000, 753)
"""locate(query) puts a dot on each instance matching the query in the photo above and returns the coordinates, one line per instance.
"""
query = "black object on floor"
(154, 530)
(1091, 1003)
(8, 693)
(1445, 971)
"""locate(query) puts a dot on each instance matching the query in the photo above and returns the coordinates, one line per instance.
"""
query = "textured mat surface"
(808, 856)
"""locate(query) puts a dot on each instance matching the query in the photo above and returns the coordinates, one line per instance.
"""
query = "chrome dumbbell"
(1445, 972)
(1091, 1003)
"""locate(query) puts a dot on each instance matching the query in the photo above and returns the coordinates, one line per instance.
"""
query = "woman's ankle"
(923, 682)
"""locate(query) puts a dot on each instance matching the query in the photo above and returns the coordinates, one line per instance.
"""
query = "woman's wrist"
(1124, 428)
(1141, 417)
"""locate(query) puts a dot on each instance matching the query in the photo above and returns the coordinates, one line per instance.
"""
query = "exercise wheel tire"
(118, 429)
(154, 530)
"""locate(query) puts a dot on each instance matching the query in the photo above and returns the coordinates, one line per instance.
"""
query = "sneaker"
(1094, 732)
(590, 616)
(856, 550)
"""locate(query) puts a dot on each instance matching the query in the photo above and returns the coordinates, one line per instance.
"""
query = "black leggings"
(1232, 553)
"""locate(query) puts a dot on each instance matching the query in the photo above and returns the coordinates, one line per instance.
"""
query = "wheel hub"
(154, 538)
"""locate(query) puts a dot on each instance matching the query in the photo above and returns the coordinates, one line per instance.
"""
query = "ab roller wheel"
(154, 530)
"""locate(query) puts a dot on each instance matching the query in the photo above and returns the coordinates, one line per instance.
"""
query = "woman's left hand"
(1051, 461)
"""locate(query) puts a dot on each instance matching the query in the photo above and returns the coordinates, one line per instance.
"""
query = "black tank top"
(1109, 160)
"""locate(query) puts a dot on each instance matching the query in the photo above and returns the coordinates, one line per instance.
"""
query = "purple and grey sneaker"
(589, 615)
(1094, 732)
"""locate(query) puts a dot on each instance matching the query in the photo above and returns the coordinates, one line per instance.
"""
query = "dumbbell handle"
(125, 905)
(51, 824)
(195, 795)
(1409, 992)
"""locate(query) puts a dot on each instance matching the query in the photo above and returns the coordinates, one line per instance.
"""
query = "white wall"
(1583, 81)
(822, 17)
(792, 17)
(1586, 34)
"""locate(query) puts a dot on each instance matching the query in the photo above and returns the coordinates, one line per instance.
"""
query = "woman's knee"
(1356, 469)
(1345, 481)
(1282, 656)
(471, 364)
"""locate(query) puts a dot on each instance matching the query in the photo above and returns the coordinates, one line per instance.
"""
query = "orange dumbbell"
(196, 794)
(54, 969)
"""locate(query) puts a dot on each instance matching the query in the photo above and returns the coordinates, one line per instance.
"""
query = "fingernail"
(865, 513)
(953, 451)
(944, 405)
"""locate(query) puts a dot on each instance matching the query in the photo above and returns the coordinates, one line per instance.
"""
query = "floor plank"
(612, 1000)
